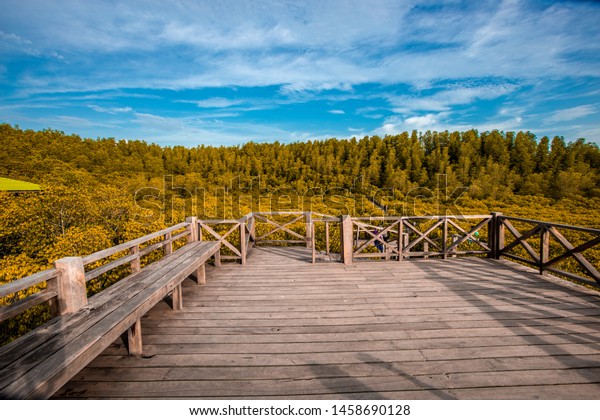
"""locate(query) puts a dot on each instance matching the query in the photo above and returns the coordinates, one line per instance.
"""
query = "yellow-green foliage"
(99, 193)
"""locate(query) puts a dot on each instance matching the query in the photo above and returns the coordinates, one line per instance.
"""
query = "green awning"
(7, 184)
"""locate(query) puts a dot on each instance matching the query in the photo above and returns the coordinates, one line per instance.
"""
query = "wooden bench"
(39, 363)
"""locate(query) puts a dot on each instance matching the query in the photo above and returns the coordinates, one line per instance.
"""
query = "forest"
(100, 192)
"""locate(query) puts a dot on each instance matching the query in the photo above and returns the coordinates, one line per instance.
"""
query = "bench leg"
(177, 298)
(134, 335)
(201, 274)
(218, 258)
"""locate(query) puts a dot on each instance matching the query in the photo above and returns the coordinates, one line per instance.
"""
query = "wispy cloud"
(445, 96)
(571, 114)
(112, 110)
(215, 102)
(336, 111)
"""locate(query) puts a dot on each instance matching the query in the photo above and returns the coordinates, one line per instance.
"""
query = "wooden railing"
(89, 267)
(400, 238)
(420, 236)
(546, 246)
(568, 251)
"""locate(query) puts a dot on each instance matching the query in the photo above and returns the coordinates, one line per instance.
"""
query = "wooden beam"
(575, 252)
(327, 238)
(375, 237)
(544, 248)
(279, 227)
(221, 238)
(243, 245)
(135, 264)
(217, 257)
(347, 239)
(134, 339)
(309, 229)
(423, 235)
(168, 247)
(201, 274)
(177, 298)
(193, 221)
(70, 286)
(469, 235)
(521, 239)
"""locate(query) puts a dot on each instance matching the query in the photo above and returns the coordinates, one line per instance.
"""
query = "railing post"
(169, 245)
(544, 248)
(193, 236)
(455, 237)
(497, 235)
(405, 242)
(313, 244)
(243, 249)
(70, 284)
(327, 238)
(309, 238)
(347, 248)
(400, 238)
(252, 229)
(135, 264)
(445, 237)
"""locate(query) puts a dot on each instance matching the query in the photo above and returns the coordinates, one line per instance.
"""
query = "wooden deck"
(280, 327)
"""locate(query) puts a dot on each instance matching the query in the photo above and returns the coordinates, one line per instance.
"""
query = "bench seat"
(37, 364)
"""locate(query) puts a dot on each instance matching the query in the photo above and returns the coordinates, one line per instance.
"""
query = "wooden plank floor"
(280, 327)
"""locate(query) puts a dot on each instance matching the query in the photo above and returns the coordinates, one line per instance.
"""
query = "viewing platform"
(281, 327)
(360, 309)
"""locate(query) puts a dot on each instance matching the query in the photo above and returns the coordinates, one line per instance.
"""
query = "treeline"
(492, 164)
(98, 193)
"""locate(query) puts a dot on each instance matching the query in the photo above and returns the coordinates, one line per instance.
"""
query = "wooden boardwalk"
(280, 327)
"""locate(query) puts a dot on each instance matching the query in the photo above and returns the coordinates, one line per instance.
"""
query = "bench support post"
(134, 337)
(70, 284)
(218, 258)
(201, 274)
(177, 298)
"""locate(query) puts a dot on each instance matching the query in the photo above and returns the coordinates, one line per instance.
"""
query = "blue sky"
(227, 72)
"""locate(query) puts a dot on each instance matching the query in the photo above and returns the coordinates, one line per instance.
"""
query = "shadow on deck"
(280, 327)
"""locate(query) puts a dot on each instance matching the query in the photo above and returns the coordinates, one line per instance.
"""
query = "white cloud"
(192, 131)
(216, 102)
(336, 111)
(574, 113)
(456, 94)
(14, 39)
(422, 121)
(112, 110)
(195, 45)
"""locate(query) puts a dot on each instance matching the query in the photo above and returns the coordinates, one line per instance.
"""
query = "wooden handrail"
(96, 256)
(556, 225)
(27, 282)
(51, 293)
(541, 260)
